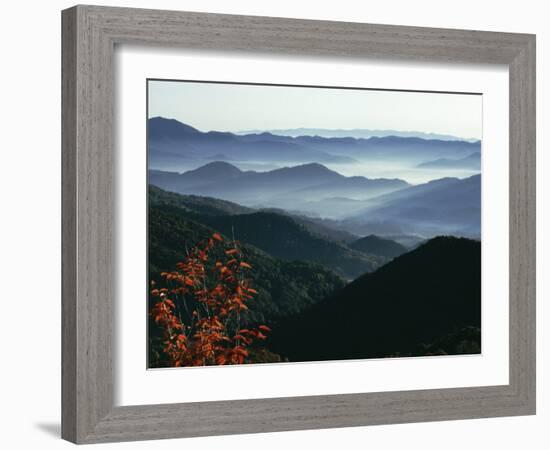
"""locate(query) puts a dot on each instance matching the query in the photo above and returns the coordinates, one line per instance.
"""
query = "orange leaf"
(240, 351)
(217, 237)
(169, 302)
(248, 266)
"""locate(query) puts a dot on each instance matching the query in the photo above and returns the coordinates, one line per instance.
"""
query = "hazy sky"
(235, 107)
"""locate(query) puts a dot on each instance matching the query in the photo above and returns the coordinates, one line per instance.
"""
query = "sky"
(238, 107)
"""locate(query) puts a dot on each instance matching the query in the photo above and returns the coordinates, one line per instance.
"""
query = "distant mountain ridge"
(361, 205)
(357, 133)
(171, 142)
(222, 180)
(444, 206)
(169, 139)
(161, 128)
(470, 162)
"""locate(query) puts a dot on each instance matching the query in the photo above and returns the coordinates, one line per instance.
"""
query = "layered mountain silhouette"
(279, 188)
(161, 129)
(169, 139)
(411, 148)
(171, 143)
(444, 206)
(280, 235)
(353, 188)
(357, 133)
(470, 162)
(345, 266)
(208, 206)
(429, 298)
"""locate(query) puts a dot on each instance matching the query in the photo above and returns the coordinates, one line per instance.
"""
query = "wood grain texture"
(523, 224)
(68, 225)
(89, 36)
(88, 190)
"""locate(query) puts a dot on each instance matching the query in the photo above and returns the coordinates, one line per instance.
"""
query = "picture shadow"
(53, 429)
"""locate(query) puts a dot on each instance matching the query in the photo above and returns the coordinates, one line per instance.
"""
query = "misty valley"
(277, 246)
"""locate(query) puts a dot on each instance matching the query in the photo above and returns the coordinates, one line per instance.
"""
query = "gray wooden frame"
(89, 36)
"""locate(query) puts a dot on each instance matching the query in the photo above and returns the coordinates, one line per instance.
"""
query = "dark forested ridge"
(280, 235)
(284, 287)
(426, 301)
(283, 238)
(375, 245)
(207, 206)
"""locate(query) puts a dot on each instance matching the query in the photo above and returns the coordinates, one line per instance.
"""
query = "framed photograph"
(277, 224)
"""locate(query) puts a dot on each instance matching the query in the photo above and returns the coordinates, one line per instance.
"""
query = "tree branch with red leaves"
(199, 309)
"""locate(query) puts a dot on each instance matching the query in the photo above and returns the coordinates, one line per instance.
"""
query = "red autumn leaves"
(200, 311)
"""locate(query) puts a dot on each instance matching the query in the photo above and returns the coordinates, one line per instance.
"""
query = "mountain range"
(358, 205)
(169, 140)
(470, 162)
(423, 302)
(357, 133)
(174, 144)
(444, 206)
(282, 236)
(272, 188)
(342, 267)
